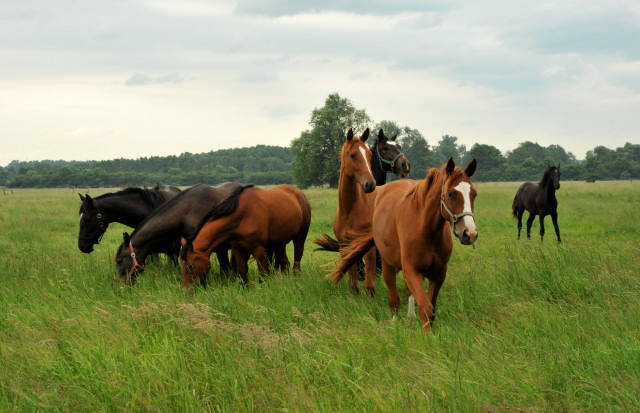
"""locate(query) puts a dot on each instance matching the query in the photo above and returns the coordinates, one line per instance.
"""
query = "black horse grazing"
(175, 219)
(539, 200)
(387, 156)
(128, 207)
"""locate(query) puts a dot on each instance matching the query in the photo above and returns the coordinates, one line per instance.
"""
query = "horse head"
(457, 198)
(355, 160)
(92, 226)
(193, 263)
(127, 264)
(554, 175)
(390, 155)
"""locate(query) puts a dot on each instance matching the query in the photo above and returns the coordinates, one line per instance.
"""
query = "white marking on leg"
(366, 162)
(411, 311)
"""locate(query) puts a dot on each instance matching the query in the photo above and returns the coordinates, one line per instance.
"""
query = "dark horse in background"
(128, 207)
(538, 199)
(387, 156)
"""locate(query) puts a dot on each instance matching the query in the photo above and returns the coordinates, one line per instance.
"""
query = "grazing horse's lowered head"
(456, 201)
(92, 226)
(355, 161)
(387, 156)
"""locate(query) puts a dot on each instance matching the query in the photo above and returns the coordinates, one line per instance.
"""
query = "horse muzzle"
(402, 167)
(86, 248)
(467, 237)
(368, 186)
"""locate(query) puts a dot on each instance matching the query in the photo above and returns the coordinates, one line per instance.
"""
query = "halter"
(100, 227)
(391, 163)
(455, 217)
(136, 264)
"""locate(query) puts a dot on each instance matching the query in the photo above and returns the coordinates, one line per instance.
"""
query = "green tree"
(449, 147)
(316, 152)
(3, 176)
(416, 149)
(491, 163)
(525, 150)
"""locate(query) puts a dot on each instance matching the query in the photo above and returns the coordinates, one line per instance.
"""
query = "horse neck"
(428, 200)
(350, 193)
(379, 174)
(128, 210)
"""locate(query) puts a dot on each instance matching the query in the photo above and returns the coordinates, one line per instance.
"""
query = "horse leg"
(261, 258)
(425, 307)
(282, 261)
(434, 289)
(520, 214)
(532, 216)
(241, 258)
(353, 279)
(389, 275)
(298, 249)
(542, 227)
(370, 272)
(554, 218)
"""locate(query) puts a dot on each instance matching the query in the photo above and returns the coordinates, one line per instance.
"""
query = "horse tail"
(354, 252)
(516, 202)
(221, 209)
(326, 243)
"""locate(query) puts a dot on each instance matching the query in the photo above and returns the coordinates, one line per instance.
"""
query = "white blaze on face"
(81, 215)
(465, 189)
(366, 161)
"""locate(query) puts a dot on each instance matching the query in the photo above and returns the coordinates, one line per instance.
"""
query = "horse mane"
(152, 197)
(419, 191)
(224, 208)
(545, 178)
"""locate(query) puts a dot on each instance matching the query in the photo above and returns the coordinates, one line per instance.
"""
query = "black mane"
(152, 197)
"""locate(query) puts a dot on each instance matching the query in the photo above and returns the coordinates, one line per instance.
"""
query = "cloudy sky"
(98, 79)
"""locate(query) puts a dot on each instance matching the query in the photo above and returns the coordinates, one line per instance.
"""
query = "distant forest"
(267, 165)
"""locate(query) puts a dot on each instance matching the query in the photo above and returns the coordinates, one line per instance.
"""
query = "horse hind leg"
(532, 216)
(554, 219)
(541, 227)
(519, 213)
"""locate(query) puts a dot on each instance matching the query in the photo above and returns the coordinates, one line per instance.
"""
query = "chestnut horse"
(355, 205)
(256, 222)
(410, 231)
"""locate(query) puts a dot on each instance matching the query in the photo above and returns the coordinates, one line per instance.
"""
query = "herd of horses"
(405, 225)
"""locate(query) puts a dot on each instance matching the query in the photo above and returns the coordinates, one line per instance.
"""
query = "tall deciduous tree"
(491, 163)
(316, 152)
(449, 147)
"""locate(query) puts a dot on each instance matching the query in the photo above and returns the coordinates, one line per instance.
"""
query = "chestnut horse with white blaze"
(410, 231)
(256, 222)
(355, 203)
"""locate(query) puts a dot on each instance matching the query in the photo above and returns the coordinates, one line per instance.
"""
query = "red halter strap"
(136, 264)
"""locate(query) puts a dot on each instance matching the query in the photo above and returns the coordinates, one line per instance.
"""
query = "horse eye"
(353, 156)
(451, 195)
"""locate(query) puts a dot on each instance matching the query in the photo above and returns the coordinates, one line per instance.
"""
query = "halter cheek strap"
(136, 264)
(391, 163)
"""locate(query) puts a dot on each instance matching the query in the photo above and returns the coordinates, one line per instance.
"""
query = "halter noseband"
(136, 264)
(455, 217)
(391, 163)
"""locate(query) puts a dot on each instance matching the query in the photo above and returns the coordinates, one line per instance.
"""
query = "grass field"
(521, 325)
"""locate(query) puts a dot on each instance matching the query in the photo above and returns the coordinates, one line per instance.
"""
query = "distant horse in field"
(255, 221)
(591, 180)
(410, 231)
(387, 156)
(173, 220)
(355, 205)
(128, 207)
(538, 199)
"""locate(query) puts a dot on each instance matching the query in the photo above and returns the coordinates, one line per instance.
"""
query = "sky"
(96, 79)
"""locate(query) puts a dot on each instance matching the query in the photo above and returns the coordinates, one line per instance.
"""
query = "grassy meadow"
(522, 325)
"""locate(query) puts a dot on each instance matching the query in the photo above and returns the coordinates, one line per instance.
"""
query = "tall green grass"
(522, 325)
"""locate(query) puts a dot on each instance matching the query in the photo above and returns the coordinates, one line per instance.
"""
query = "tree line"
(313, 159)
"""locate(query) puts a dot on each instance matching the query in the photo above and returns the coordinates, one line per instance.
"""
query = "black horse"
(128, 207)
(175, 219)
(387, 156)
(539, 200)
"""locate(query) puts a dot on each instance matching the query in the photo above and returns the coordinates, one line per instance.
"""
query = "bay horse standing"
(539, 199)
(410, 229)
(173, 220)
(387, 156)
(128, 207)
(255, 221)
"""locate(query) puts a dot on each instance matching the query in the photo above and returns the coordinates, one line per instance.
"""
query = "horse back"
(526, 198)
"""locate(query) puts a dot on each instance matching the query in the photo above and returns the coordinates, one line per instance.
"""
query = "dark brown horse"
(128, 207)
(410, 229)
(538, 199)
(255, 222)
(174, 219)
(387, 156)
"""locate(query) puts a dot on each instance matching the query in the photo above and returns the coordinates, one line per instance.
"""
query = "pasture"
(520, 325)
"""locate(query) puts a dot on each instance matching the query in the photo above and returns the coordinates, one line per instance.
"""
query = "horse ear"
(430, 177)
(393, 138)
(89, 200)
(450, 165)
(81, 197)
(365, 135)
(349, 135)
(380, 135)
(126, 238)
(558, 166)
(471, 168)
